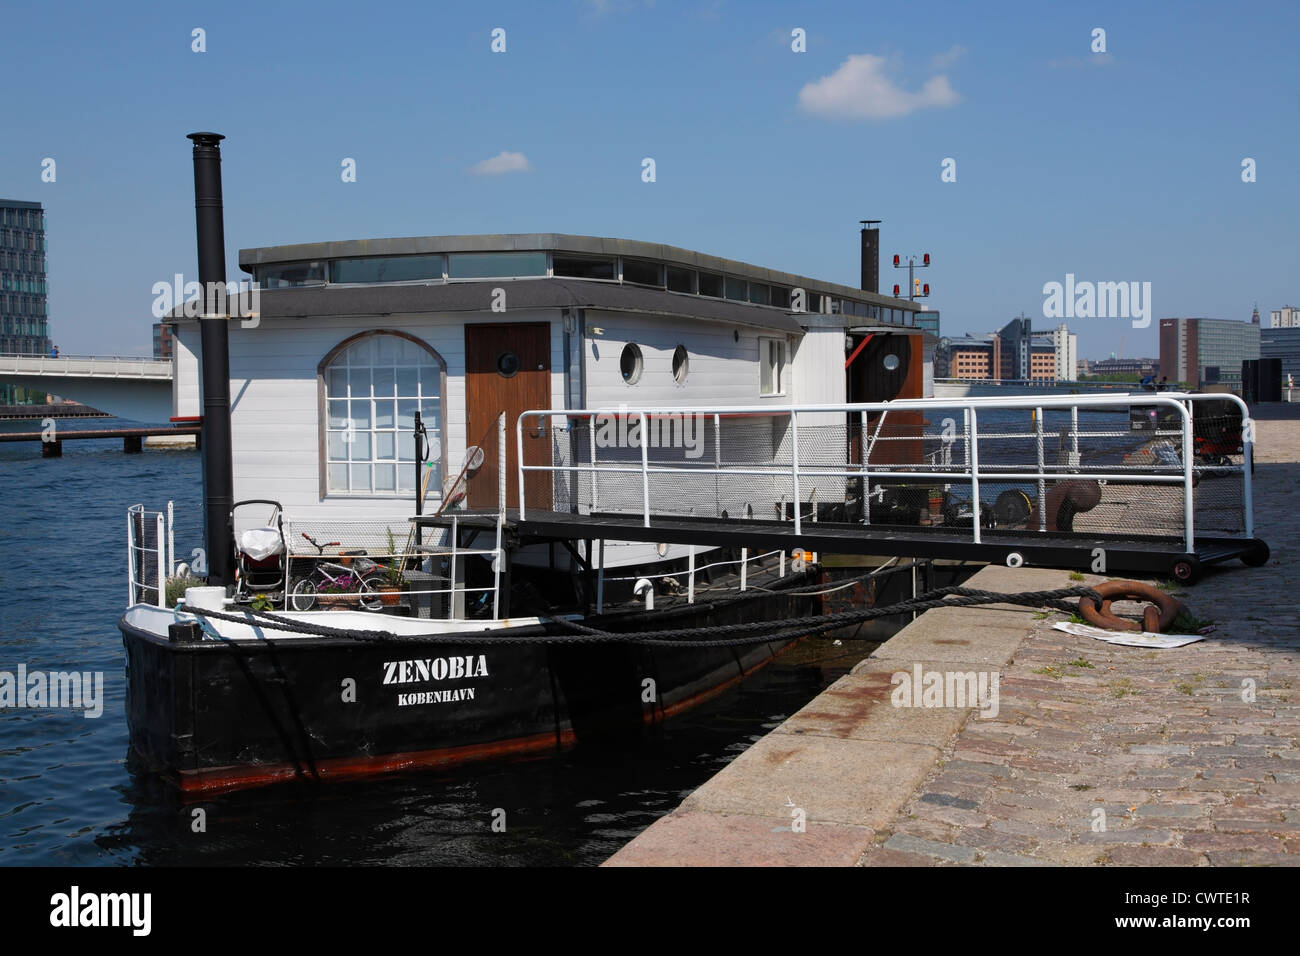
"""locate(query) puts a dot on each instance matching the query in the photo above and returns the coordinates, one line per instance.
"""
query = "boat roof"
(547, 291)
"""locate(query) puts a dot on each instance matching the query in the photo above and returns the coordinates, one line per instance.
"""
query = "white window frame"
(437, 434)
(782, 370)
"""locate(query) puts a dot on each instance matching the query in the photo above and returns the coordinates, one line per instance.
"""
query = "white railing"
(796, 477)
(341, 535)
(139, 523)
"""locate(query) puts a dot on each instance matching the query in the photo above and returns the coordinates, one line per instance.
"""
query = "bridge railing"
(1026, 462)
(107, 366)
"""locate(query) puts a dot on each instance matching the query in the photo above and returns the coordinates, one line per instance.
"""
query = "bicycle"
(303, 592)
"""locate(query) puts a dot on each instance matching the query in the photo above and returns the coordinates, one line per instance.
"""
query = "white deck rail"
(971, 469)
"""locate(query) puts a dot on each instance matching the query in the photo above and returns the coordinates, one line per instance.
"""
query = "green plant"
(175, 587)
(1076, 576)
(261, 602)
(1188, 623)
(1080, 662)
(1123, 687)
(393, 577)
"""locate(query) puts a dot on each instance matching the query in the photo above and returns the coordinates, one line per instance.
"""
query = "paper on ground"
(1129, 638)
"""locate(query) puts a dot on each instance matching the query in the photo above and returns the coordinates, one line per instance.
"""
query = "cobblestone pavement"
(1102, 754)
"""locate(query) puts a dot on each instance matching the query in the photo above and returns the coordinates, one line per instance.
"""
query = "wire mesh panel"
(146, 556)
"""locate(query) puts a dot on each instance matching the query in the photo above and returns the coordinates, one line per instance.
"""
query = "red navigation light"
(895, 260)
(927, 289)
(927, 259)
(895, 287)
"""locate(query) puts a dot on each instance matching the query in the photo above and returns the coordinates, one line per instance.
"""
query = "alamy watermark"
(53, 690)
(623, 429)
(242, 300)
(1098, 300)
(946, 689)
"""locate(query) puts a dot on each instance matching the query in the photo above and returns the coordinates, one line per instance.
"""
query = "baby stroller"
(259, 555)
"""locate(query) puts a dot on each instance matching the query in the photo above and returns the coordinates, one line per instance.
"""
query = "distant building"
(1042, 363)
(1254, 316)
(1065, 349)
(970, 357)
(1140, 367)
(1206, 351)
(1282, 343)
(1014, 344)
(162, 340)
(24, 316)
(1287, 317)
(1016, 353)
(928, 319)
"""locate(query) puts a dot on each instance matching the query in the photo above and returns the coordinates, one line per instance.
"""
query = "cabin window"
(681, 364)
(711, 285)
(386, 269)
(630, 363)
(771, 360)
(759, 294)
(680, 280)
(780, 297)
(291, 275)
(577, 267)
(643, 273)
(495, 265)
(373, 385)
(736, 289)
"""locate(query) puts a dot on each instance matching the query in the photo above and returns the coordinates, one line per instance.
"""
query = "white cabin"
(352, 338)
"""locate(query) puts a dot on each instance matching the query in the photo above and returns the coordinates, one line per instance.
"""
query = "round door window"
(507, 364)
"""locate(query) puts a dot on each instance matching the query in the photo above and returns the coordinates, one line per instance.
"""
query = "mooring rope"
(756, 632)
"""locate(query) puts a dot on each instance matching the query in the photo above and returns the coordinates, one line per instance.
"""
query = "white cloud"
(502, 163)
(859, 89)
(942, 61)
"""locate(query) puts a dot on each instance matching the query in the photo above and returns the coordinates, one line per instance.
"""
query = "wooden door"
(508, 369)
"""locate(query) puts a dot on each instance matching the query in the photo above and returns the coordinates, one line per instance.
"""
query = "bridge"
(131, 387)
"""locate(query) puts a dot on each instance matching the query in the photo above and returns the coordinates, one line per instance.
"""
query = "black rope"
(757, 632)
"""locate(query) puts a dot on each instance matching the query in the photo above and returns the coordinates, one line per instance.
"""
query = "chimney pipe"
(870, 255)
(218, 480)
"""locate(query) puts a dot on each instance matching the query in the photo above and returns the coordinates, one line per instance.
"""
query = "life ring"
(1153, 620)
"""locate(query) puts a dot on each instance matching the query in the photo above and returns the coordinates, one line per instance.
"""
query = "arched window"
(371, 386)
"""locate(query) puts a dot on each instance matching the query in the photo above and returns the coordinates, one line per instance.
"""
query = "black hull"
(214, 716)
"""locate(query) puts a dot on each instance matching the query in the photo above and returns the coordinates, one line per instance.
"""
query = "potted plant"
(936, 504)
(390, 589)
(175, 587)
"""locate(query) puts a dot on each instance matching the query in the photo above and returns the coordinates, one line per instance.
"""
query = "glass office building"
(24, 316)
(1282, 343)
(1202, 352)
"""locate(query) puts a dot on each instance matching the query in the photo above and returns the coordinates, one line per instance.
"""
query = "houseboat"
(373, 433)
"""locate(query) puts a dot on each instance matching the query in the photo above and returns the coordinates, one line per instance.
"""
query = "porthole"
(681, 364)
(890, 361)
(507, 364)
(630, 363)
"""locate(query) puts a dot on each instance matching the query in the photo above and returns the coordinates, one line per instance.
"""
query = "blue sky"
(1122, 167)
